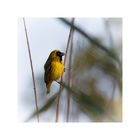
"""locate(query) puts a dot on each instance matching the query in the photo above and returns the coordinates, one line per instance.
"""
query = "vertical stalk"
(108, 31)
(32, 70)
(60, 89)
(69, 77)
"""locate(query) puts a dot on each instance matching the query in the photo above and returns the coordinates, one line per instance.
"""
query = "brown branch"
(60, 89)
(33, 77)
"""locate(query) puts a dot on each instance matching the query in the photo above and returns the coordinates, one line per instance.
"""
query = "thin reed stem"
(108, 31)
(60, 89)
(69, 75)
(58, 100)
(32, 70)
(108, 106)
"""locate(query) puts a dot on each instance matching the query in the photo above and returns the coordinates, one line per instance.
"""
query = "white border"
(11, 10)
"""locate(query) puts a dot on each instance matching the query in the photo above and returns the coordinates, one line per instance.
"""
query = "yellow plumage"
(54, 68)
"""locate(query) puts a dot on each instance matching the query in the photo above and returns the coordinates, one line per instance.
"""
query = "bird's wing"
(47, 68)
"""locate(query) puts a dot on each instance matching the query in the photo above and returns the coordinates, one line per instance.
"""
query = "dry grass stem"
(60, 89)
(32, 70)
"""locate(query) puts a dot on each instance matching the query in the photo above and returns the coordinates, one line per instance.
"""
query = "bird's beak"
(62, 54)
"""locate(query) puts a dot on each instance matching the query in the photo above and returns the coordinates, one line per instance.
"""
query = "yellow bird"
(53, 67)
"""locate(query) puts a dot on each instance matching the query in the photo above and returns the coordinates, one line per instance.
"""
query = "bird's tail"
(48, 86)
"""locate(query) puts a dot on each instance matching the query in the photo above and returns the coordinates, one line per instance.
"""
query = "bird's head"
(56, 53)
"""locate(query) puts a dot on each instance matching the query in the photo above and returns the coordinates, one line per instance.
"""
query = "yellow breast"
(57, 69)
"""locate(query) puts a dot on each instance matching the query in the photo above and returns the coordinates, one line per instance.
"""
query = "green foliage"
(90, 65)
(92, 58)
